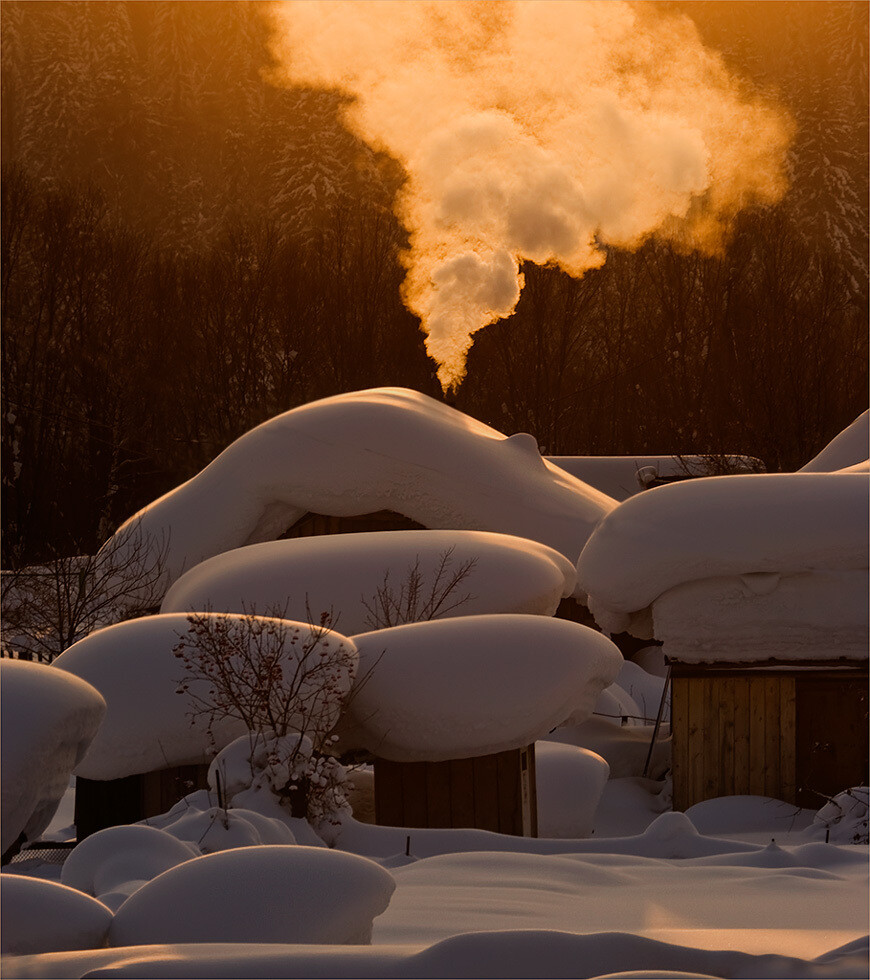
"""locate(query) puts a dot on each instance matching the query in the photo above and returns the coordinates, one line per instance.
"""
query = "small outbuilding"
(796, 731)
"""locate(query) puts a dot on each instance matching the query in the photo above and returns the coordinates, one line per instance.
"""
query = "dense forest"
(188, 250)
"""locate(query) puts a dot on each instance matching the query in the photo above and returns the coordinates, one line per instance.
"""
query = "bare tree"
(49, 607)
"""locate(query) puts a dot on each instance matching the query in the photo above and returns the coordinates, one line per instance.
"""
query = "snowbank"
(42, 916)
(494, 953)
(343, 573)
(569, 784)
(258, 895)
(148, 723)
(456, 688)
(819, 615)
(48, 720)
(849, 447)
(112, 863)
(621, 477)
(722, 526)
(365, 451)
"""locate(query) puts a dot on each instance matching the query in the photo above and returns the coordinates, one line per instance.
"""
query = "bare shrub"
(287, 683)
(413, 601)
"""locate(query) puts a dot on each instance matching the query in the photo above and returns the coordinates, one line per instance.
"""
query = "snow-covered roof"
(847, 448)
(357, 453)
(355, 576)
(622, 477)
(475, 685)
(738, 567)
(148, 722)
(48, 721)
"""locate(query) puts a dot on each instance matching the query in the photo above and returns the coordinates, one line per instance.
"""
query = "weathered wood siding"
(796, 735)
(490, 792)
(732, 735)
(106, 803)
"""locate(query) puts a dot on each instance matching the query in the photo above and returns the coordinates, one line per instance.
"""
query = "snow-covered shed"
(757, 586)
(451, 708)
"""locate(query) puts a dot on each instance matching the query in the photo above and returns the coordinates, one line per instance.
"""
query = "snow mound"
(258, 895)
(617, 706)
(116, 857)
(148, 723)
(42, 916)
(751, 526)
(216, 829)
(569, 784)
(365, 451)
(456, 688)
(48, 720)
(847, 448)
(344, 574)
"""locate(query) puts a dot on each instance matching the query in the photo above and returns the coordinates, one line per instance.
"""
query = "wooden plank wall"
(492, 792)
(732, 734)
(106, 803)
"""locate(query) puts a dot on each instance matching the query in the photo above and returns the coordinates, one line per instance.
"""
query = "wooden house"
(795, 731)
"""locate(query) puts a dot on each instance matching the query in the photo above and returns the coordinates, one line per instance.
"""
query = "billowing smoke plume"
(534, 130)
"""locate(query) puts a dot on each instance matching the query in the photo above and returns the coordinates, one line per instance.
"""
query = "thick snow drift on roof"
(43, 917)
(268, 894)
(764, 616)
(148, 723)
(456, 688)
(48, 720)
(850, 446)
(725, 525)
(344, 574)
(622, 477)
(356, 453)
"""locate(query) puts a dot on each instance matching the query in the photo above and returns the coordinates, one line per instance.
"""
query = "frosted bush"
(306, 783)
(845, 816)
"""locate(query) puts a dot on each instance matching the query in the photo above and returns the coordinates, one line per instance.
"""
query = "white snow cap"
(724, 525)
(48, 720)
(148, 723)
(343, 573)
(849, 447)
(738, 568)
(45, 917)
(269, 894)
(457, 688)
(365, 451)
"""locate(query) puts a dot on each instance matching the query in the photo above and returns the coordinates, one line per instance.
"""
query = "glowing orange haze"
(534, 130)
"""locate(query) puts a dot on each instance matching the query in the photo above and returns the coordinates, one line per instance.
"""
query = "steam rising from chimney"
(534, 131)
